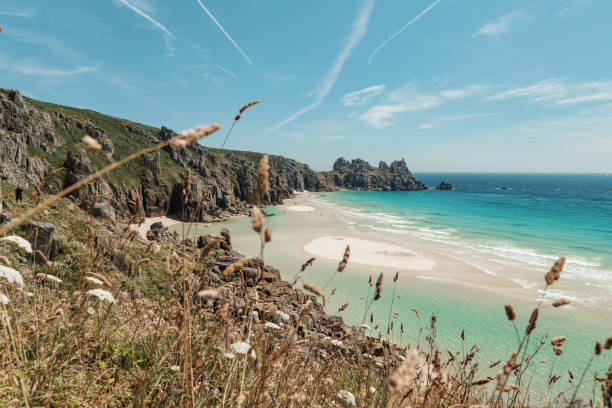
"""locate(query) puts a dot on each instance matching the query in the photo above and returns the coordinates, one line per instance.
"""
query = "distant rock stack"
(444, 186)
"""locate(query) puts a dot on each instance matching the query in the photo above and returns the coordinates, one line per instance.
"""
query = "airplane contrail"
(421, 14)
(225, 33)
(151, 19)
(360, 26)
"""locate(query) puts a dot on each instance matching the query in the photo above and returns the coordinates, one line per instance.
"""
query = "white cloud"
(560, 92)
(22, 13)
(405, 99)
(33, 67)
(540, 91)
(504, 24)
(462, 93)
(426, 126)
(360, 26)
(398, 32)
(362, 96)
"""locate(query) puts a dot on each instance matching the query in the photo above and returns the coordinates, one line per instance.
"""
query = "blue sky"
(449, 85)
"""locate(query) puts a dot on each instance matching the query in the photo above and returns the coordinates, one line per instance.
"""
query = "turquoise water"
(527, 225)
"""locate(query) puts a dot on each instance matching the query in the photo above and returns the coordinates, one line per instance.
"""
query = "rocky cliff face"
(37, 138)
(360, 175)
(40, 144)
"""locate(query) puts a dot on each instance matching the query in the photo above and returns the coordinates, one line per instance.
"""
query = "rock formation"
(360, 175)
(444, 186)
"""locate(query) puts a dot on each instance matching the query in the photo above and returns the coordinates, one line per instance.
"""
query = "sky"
(448, 85)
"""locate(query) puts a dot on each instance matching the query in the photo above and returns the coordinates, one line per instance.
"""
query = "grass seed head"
(91, 144)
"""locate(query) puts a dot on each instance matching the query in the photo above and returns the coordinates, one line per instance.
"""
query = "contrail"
(400, 30)
(227, 71)
(225, 32)
(360, 26)
(151, 19)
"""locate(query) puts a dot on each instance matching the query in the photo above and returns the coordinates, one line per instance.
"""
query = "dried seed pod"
(532, 321)
(257, 218)
(378, 286)
(510, 312)
(268, 235)
(186, 137)
(561, 302)
(307, 264)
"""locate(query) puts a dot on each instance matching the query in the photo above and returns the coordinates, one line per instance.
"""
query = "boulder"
(45, 237)
(105, 211)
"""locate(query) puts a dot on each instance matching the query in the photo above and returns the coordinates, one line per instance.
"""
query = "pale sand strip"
(146, 225)
(300, 208)
(371, 253)
(406, 261)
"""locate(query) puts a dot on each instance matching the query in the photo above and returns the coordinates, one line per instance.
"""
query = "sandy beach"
(367, 252)
(146, 225)
(300, 208)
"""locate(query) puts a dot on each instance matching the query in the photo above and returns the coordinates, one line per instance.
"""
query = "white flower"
(347, 397)
(95, 281)
(229, 355)
(270, 325)
(21, 242)
(284, 316)
(326, 338)
(402, 357)
(90, 311)
(337, 343)
(50, 278)
(29, 294)
(240, 347)
(102, 295)
(175, 368)
(372, 390)
(254, 313)
(4, 299)
(11, 275)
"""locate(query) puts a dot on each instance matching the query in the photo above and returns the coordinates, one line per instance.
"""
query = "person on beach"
(18, 194)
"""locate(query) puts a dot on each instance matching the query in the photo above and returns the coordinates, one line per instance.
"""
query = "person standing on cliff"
(18, 194)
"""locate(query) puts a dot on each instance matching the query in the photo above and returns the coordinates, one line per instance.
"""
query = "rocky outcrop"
(358, 174)
(444, 186)
(44, 237)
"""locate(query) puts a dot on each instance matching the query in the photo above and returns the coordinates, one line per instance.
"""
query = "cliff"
(38, 138)
(40, 144)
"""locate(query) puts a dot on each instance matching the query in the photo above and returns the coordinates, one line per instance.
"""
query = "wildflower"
(284, 316)
(102, 294)
(240, 347)
(337, 343)
(20, 242)
(347, 397)
(175, 368)
(4, 299)
(48, 277)
(11, 275)
(273, 326)
(93, 280)
(229, 355)
(372, 390)
(90, 311)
